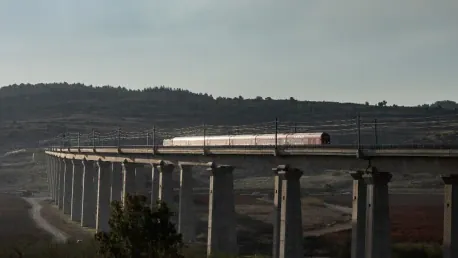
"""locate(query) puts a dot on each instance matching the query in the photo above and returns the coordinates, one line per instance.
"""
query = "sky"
(401, 51)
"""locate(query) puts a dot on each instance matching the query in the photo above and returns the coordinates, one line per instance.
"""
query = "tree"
(382, 103)
(139, 231)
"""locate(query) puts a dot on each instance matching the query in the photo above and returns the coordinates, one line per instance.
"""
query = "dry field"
(414, 217)
(56, 218)
(254, 221)
(255, 217)
(17, 229)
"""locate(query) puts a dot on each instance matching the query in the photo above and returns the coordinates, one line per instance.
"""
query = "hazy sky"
(404, 51)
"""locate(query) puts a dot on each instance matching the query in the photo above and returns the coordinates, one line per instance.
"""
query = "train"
(291, 139)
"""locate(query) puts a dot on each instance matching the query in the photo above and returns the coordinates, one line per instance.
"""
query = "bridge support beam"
(222, 235)
(103, 197)
(60, 165)
(165, 185)
(77, 190)
(450, 239)
(142, 177)
(154, 185)
(116, 182)
(378, 227)
(128, 181)
(186, 211)
(68, 174)
(89, 197)
(358, 238)
(290, 238)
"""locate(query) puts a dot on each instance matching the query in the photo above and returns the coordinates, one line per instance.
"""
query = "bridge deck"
(322, 150)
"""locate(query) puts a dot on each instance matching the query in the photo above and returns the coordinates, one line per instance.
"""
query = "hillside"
(29, 113)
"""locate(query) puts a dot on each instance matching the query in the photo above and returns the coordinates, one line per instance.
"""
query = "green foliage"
(139, 231)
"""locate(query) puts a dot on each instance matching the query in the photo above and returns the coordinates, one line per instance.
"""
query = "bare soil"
(61, 221)
(17, 229)
(254, 221)
(415, 218)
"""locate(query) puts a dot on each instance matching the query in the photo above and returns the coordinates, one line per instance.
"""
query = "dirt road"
(58, 235)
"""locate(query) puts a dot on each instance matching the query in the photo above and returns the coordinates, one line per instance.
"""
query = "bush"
(139, 231)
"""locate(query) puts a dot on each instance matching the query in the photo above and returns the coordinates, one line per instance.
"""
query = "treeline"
(31, 112)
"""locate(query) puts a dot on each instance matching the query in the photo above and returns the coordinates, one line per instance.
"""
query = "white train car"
(251, 140)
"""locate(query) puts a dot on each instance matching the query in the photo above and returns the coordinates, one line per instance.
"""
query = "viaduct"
(83, 181)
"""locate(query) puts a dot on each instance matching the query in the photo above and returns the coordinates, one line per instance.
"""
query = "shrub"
(139, 231)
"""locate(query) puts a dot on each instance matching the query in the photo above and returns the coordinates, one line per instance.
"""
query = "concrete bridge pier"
(378, 227)
(278, 182)
(55, 169)
(128, 181)
(165, 185)
(142, 177)
(68, 175)
(60, 165)
(186, 211)
(154, 185)
(116, 182)
(290, 240)
(450, 239)
(358, 238)
(103, 196)
(89, 196)
(77, 190)
(222, 235)
(49, 174)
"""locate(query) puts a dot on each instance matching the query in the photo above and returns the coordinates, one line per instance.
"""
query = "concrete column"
(68, 175)
(49, 176)
(128, 184)
(103, 197)
(222, 235)
(56, 172)
(165, 184)
(154, 185)
(186, 211)
(60, 165)
(89, 197)
(116, 182)
(278, 181)
(450, 240)
(77, 190)
(291, 237)
(142, 182)
(358, 237)
(378, 228)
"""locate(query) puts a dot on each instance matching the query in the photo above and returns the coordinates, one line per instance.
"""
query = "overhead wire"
(346, 127)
